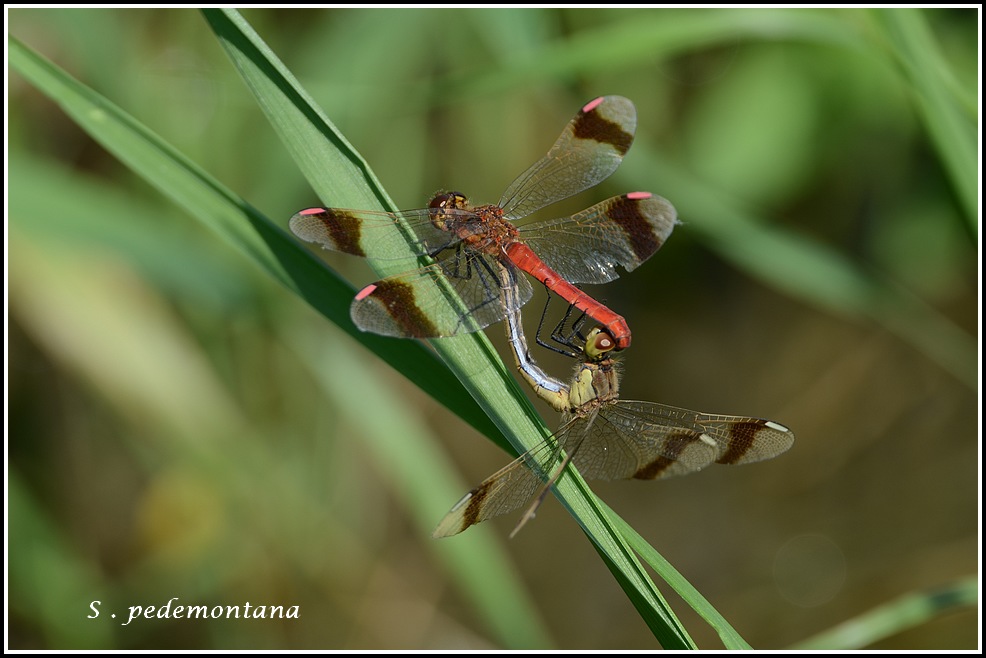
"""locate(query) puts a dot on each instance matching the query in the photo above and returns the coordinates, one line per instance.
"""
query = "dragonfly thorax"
(487, 231)
(481, 229)
(594, 384)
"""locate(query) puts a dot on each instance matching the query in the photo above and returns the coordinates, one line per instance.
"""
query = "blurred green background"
(181, 425)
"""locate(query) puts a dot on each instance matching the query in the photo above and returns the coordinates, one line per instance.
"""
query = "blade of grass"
(326, 158)
(730, 638)
(894, 617)
(954, 136)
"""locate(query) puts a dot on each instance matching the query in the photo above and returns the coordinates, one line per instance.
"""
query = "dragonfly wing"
(378, 234)
(670, 441)
(504, 491)
(626, 442)
(589, 149)
(586, 247)
(459, 294)
(745, 440)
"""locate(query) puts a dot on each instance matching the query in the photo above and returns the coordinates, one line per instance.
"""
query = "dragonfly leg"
(484, 270)
(573, 352)
(574, 338)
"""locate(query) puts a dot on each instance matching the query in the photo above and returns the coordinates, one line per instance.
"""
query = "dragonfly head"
(446, 200)
(598, 343)
(442, 202)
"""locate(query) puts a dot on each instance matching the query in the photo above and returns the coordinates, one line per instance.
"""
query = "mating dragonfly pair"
(475, 281)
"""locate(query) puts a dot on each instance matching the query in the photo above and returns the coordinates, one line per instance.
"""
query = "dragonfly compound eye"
(598, 343)
(446, 200)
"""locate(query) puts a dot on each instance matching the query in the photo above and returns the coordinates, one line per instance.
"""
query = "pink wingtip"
(365, 292)
(639, 195)
(312, 211)
(591, 105)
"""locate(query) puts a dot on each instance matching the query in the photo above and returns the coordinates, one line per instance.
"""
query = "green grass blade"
(663, 613)
(891, 618)
(336, 172)
(952, 133)
(239, 224)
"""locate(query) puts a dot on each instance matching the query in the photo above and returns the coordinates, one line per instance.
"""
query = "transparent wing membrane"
(504, 491)
(377, 234)
(417, 304)
(586, 247)
(590, 148)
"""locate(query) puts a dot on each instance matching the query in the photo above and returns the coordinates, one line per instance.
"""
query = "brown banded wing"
(586, 247)
(658, 440)
(589, 149)
(507, 489)
(378, 234)
(623, 439)
(417, 304)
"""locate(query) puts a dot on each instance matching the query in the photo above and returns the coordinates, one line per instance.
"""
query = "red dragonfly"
(583, 248)
(604, 436)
